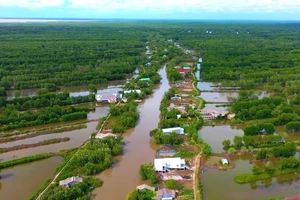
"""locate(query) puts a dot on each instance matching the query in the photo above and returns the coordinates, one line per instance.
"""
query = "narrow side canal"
(138, 149)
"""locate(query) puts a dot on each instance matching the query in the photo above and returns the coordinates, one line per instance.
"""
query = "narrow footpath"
(56, 176)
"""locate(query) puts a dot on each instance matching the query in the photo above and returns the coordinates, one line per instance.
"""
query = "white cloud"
(32, 3)
(114, 6)
(192, 5)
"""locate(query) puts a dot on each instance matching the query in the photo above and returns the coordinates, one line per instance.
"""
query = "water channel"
(22, 181)
(139, 149)
(77, 138)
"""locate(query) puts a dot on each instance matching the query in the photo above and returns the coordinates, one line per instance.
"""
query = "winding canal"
(139, 149)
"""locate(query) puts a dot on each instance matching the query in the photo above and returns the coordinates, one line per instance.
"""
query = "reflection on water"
(218, 96)
(215, 107)
(215, 135)
(139, 149)
(214, 182)
(20, 182)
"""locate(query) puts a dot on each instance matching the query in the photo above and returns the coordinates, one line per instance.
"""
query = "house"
(212, 114)
(102, 135)
(144, 79)
(225, 161)
(69, 182)
(183, 71)
(230, 116)
(198, 66)
(200, 59)
(175, 99)
(106, 99)
(166, 164)
(178, 130)
(187, 67)
(165, 194)
(144, 187)
(130, 91)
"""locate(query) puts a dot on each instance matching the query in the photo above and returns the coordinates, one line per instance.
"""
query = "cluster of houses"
(165, 165)
(163, 194)
(114, 98)
(213, 114)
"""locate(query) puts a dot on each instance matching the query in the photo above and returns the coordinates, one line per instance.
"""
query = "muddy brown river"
(124, 176)
(20, 182)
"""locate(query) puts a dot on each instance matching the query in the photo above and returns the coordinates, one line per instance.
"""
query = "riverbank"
(10, 138)
(26, 146)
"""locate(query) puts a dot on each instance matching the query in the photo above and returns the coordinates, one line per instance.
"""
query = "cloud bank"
(179, 6)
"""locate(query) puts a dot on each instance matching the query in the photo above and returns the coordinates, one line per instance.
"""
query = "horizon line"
(148, 19)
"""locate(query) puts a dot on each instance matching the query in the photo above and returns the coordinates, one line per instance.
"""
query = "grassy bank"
(24, 160)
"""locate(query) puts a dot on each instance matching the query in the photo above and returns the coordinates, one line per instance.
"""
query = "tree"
(140, 195)
(226, 144)
(17, 93)
(92, 88)
(206, 148)
(172, 184)
(269, 169)
(147, 173)
(244, 149)
(42, 91)
(261, 154)
(256, 170)
(231, 150)
(238, 141)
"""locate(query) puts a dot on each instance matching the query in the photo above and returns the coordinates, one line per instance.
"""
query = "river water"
(20, 182)
(139, 149)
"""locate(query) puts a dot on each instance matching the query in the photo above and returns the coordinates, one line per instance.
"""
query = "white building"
(165, 164)
(106, 99)
(144, 187)
(178, 130)
(130, 91)
(225, 161)
(69, 182)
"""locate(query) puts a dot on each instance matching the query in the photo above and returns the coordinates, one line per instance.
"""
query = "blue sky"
(153, 9)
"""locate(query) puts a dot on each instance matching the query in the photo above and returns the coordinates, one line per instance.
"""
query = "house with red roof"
(183, 71)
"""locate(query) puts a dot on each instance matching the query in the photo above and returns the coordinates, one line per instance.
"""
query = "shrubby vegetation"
(172, 184)
(126, 115)
(13, 119)
(45, 100)
(24, 160)
(285, 165)
(161, 138)
(258, 141)
(94, 157)
(147, 172)
(81, 191)
(140, 195)
(257, 129)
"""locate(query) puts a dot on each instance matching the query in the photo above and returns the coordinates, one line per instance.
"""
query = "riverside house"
(167, 164)
(178, 130)
(69, 182)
